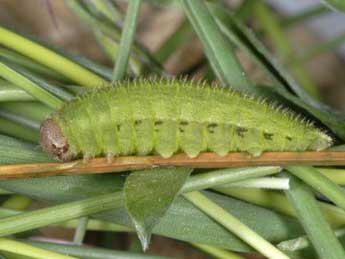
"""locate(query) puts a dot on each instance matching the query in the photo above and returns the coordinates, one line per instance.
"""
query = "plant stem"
(9, 93)
(309, 214)
(80, 231)
(234, 225)
(303, 242)
(26, 250)
(336, 175)
(219, 51)
(29, 86)
(59, 213)
(219, 177)
(127, 39)
(262, 183)
(320, 183)
(92, 252)
(278, 202)
(16, 130)
(217, 252)
(49, 58)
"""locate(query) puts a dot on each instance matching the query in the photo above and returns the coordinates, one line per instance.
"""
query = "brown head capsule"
(53, 141)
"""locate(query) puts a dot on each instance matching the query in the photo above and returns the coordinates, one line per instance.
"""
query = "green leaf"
(337, 4)
(218, 50)
(242, 37)
(320, 183)
(149, 194)
(233, 224)
(49, 58)
(318, 230)
(10, 92)
(31, 87)
(182, 221)
(127, 39)
(88, 252)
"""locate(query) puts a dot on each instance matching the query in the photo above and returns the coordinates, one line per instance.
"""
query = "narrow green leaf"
(234, 225)
(80, 231)
(303, 16)
(87, 252)
(242, 37)
(49, 58)
(337, 4)
(30, 65)
(182, 221)
(23, 121)
(106, 8)
(28, 251)
(313, 221)
(216, 252)
(29, 86)
(303, 241)
(267, 19)
(149, 194)
(278, 202)
(59, 213)
(10, 92)
(219, 52)
(13, 151)
(181, 35)
(140, 57)
(13, 129)
(127, 39)
(35, 111)
(320, 183)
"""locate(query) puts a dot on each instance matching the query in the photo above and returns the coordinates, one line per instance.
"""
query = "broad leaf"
(149, 194)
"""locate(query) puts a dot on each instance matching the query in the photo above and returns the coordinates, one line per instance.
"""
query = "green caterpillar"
(166, 117)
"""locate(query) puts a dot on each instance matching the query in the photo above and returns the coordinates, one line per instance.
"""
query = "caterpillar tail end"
(53, 142)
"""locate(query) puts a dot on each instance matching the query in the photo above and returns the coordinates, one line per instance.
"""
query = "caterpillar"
(170, 116)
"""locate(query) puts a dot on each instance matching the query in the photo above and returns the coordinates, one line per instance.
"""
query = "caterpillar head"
(53, 141)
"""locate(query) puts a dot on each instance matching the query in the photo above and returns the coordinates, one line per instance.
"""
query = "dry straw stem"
(204, 160)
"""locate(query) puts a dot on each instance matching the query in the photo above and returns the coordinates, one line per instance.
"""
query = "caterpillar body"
(166, 117)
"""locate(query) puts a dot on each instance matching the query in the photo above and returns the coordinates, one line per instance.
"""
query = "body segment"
(169, 117)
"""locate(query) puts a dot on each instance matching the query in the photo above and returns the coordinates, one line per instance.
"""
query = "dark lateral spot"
(181, 129)
(183, 123)
(240, 131)
(288, 138)
(211, 127)
(137, 122)
(159, 122)
(118, 126)
(268, 136)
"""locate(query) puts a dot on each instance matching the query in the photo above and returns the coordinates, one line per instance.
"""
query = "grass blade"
(29, 86)
(278, 202)
(234, 225)
(59, 213)
(219, 51)
(127, 39)
(272, 28)
(320, 183)
(217, 252)
(9, 93)
(28, 251)
(92, 252)
(303, 241)
(49, 58)
(11, 128)
(308, 211)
